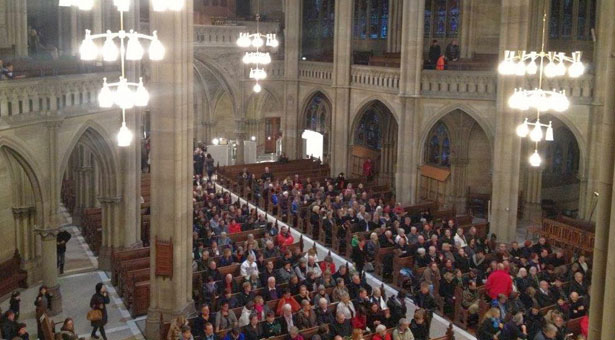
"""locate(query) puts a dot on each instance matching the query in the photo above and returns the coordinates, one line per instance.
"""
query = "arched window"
(371, 19)
(318, 27)
(369, 131)
(316, 114)
(438, 148)
(442, 18)
(572, 19)
(563, 154)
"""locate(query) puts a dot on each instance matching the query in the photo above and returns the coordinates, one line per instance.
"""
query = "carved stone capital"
(23, 210)
(47, 234)
(110, 199)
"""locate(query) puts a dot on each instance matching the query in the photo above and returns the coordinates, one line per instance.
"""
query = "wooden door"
(272, 133)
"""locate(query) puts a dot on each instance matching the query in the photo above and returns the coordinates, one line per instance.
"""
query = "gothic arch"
(203, 66)
(365, 103)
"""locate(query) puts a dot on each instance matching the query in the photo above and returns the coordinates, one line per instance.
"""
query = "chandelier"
(123, 93)
(545, 64)
(257, 59)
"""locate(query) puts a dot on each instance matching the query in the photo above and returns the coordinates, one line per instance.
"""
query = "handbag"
(95, 315)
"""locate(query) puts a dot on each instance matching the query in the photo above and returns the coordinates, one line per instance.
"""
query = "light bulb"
(561, 68)
(105, 97)
(266, 59)
(124, 137)
(550, 70)
(244, 40)
(253, 138)
(257, 88)
(88, 50)
(257, 42)
(122, 5)
(523, 129)
(247, 58)
(156, 49)
(520, 68)
(576, 69)
(543, 103)
(531, 68)
(503, 67)
(134, 50)
(141, 96)
(549, 135)
(215, 141)
(536, 134)
(535, 159)
(110, 50)
(124, 98)
(513, 101)
(86, 5)
(159, 5)
(274, 42)
(560, 102)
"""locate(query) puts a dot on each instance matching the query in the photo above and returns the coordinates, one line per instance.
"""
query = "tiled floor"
(77, 287)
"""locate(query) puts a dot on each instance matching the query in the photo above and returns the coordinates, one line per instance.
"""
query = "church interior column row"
(292, 50)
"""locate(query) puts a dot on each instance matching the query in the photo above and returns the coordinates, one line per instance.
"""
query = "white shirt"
(247, 269)
(460, 241)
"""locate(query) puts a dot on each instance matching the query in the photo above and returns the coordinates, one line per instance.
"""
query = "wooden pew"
(13, 276)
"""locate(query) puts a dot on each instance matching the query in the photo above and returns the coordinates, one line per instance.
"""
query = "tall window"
(371, 19)
(438, 148)
(318, 27)
(316, 114)
(369, 131)
(442, 18)
(572, 19)
(563, 155)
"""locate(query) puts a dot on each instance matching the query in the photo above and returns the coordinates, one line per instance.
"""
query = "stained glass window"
(442, 18)
(563, 154)
(572, 19)
(369, 131)
(371, 18)
(317, 114)
(554, 20)
(567, 19)
(438, 147)
(318, 27)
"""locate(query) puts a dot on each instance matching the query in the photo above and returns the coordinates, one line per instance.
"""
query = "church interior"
(307, 169)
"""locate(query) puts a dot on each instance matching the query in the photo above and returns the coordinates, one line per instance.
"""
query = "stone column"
(240, 136)
(24, 234)
(112, 231)
(602, 310)
(342, 58)
(18, 25)
(395, 25)
(171, 158)
(49, 268)
(409, 91)
(466, 41)
(537, 10)
(292, 50)
(533, 189)
(514, 35)
(459, 188)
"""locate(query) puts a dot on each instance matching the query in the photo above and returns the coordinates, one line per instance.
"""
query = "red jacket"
(331, 265)
(234, 228)
(499, 282)
(284, 241)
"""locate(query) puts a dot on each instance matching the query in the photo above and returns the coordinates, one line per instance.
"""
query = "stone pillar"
(18, 25)
(459, 187)
(537, 10)
(513, 36)
(26, 244)
(171, 158)
(49, 268)
(466, 41)
(342, 59)
(409, 91)
(292, 50)
(602, 315)
(112, 231)
(240, 136)
(395, 25)
(533, 189)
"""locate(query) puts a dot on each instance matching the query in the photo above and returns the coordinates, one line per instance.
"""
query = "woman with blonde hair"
(175, 331)
(490, 326)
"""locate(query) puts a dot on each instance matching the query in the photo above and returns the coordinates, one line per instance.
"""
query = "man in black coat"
(61, 239)
(341, 326)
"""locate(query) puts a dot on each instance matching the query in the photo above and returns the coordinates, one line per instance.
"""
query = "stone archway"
(457, 164)
(316, 116)
(91, 181)
(374, 136)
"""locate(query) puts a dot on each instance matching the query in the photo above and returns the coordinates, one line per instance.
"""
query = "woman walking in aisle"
(98, 303)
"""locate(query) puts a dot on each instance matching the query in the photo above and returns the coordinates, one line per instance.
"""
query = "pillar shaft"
(292, 50)
(513, 36)
(171, 158)
(342, 57)
(395, 26)
(466, 43)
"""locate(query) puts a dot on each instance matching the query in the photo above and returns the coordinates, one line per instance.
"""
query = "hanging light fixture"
(124, 94)
(257, 58)
(546, 64)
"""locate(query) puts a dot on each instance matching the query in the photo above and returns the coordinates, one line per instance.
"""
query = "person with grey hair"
(306, 317)
(323, 314)
(287, 318)
(341, 326)
(548, 332)
(249, 267)
(402, 331)
(514, 329)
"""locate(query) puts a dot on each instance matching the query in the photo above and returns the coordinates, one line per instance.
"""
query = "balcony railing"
(376, 78)
(218, 35)
(315, 71)
(459, 84)
(23, 98)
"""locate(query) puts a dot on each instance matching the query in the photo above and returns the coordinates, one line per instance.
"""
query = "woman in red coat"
(381, 333)
(234, 227)
(284, 238)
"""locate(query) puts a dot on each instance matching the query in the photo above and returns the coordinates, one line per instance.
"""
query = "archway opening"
(374, 145)
(317, 121)
(456, 170)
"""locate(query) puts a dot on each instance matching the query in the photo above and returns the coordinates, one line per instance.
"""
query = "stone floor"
(77, 286)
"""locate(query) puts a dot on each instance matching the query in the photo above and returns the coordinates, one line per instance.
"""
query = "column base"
(157, 317)
(104, 258)
(56, 300)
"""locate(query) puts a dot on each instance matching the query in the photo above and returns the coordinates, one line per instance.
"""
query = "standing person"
(434, 53)
(61, 241)
(198, 161)
(209, 166)
(368, 169)
(67, 331)
(42, 304)
(15, 303)
(452, 51)
(98, 302)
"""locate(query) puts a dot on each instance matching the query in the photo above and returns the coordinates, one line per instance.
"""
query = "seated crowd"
(529, 289)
